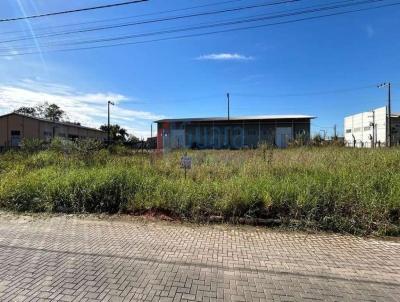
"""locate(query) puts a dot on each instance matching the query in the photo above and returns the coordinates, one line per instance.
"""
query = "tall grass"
(339, 189)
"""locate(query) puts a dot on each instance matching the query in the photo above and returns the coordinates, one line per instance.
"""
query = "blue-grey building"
(235, 132)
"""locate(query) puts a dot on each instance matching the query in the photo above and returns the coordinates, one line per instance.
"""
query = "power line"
(215, 32)
(307, 93)
(322, 127)
(124, 18)
(73, 11)
(201, 14)
(206, 33)
(220, 96)
(255, 19)
(311, 9)
(168, 31)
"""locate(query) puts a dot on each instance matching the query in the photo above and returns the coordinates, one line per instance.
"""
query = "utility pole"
(108, 124)
(151, 130)
(389, 114)
(229, 103)
(229, 109)
(334, 131)
(373, 129)
(324, 131)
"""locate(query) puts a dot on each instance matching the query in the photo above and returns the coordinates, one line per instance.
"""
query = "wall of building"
(225, 134)
(33, 128)
(396, 131)
(3, 131)
(359, 130)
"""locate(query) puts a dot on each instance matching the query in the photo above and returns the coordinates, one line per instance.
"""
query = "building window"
(367, 128)
(73, 137)
(15, 132)
(237, 131)
(348, 130)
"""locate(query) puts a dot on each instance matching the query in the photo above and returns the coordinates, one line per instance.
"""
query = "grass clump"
(330, 188)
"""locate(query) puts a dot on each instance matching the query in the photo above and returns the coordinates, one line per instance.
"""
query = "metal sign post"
(186, 163)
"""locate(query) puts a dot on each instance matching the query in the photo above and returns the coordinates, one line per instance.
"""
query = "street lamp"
(108, 128)
(389, 114)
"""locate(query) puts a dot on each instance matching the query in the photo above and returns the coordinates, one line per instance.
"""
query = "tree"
(53, 112)
(117, 134)
(48, 111)
(40, 109)
(31, 111)
(132, 139)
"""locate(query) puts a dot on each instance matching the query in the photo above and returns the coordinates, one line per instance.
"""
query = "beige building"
(14, 127)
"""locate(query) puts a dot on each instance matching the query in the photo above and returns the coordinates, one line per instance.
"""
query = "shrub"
(330, 188)
(31, 145)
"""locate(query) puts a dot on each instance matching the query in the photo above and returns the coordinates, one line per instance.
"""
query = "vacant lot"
(338, 189)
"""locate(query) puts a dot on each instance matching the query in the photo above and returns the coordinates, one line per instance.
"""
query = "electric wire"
(73, 11)
(242, 95)
(121, 18)
(205, 33)
(262, 17)
(306, 93)
(208, 26)
(201, 14)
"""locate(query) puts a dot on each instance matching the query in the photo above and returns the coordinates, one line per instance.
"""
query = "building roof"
(69, 124)
(393, 114)
(238, 118)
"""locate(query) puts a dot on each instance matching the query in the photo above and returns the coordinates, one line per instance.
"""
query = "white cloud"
(89, 109)
(225, 57)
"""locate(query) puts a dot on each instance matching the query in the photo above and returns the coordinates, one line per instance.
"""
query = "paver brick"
(72, 259)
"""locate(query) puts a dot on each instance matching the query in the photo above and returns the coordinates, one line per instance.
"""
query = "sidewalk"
(74, 259)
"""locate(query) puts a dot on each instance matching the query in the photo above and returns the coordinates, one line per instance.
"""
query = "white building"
(368, 129)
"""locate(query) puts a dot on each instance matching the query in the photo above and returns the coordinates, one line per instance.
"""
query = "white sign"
(186, 162)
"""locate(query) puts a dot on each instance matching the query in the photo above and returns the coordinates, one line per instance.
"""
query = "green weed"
(331, 188)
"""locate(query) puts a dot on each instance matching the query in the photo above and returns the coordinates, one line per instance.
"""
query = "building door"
(15, 138)
(178, 139)
(283, 136)
(165, 139)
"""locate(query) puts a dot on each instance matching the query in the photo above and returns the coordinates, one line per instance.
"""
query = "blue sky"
(284, 69)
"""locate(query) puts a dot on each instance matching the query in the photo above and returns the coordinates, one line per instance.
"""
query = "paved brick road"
(71, 259)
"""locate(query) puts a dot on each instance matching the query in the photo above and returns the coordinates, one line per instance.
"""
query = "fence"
(363, 144)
